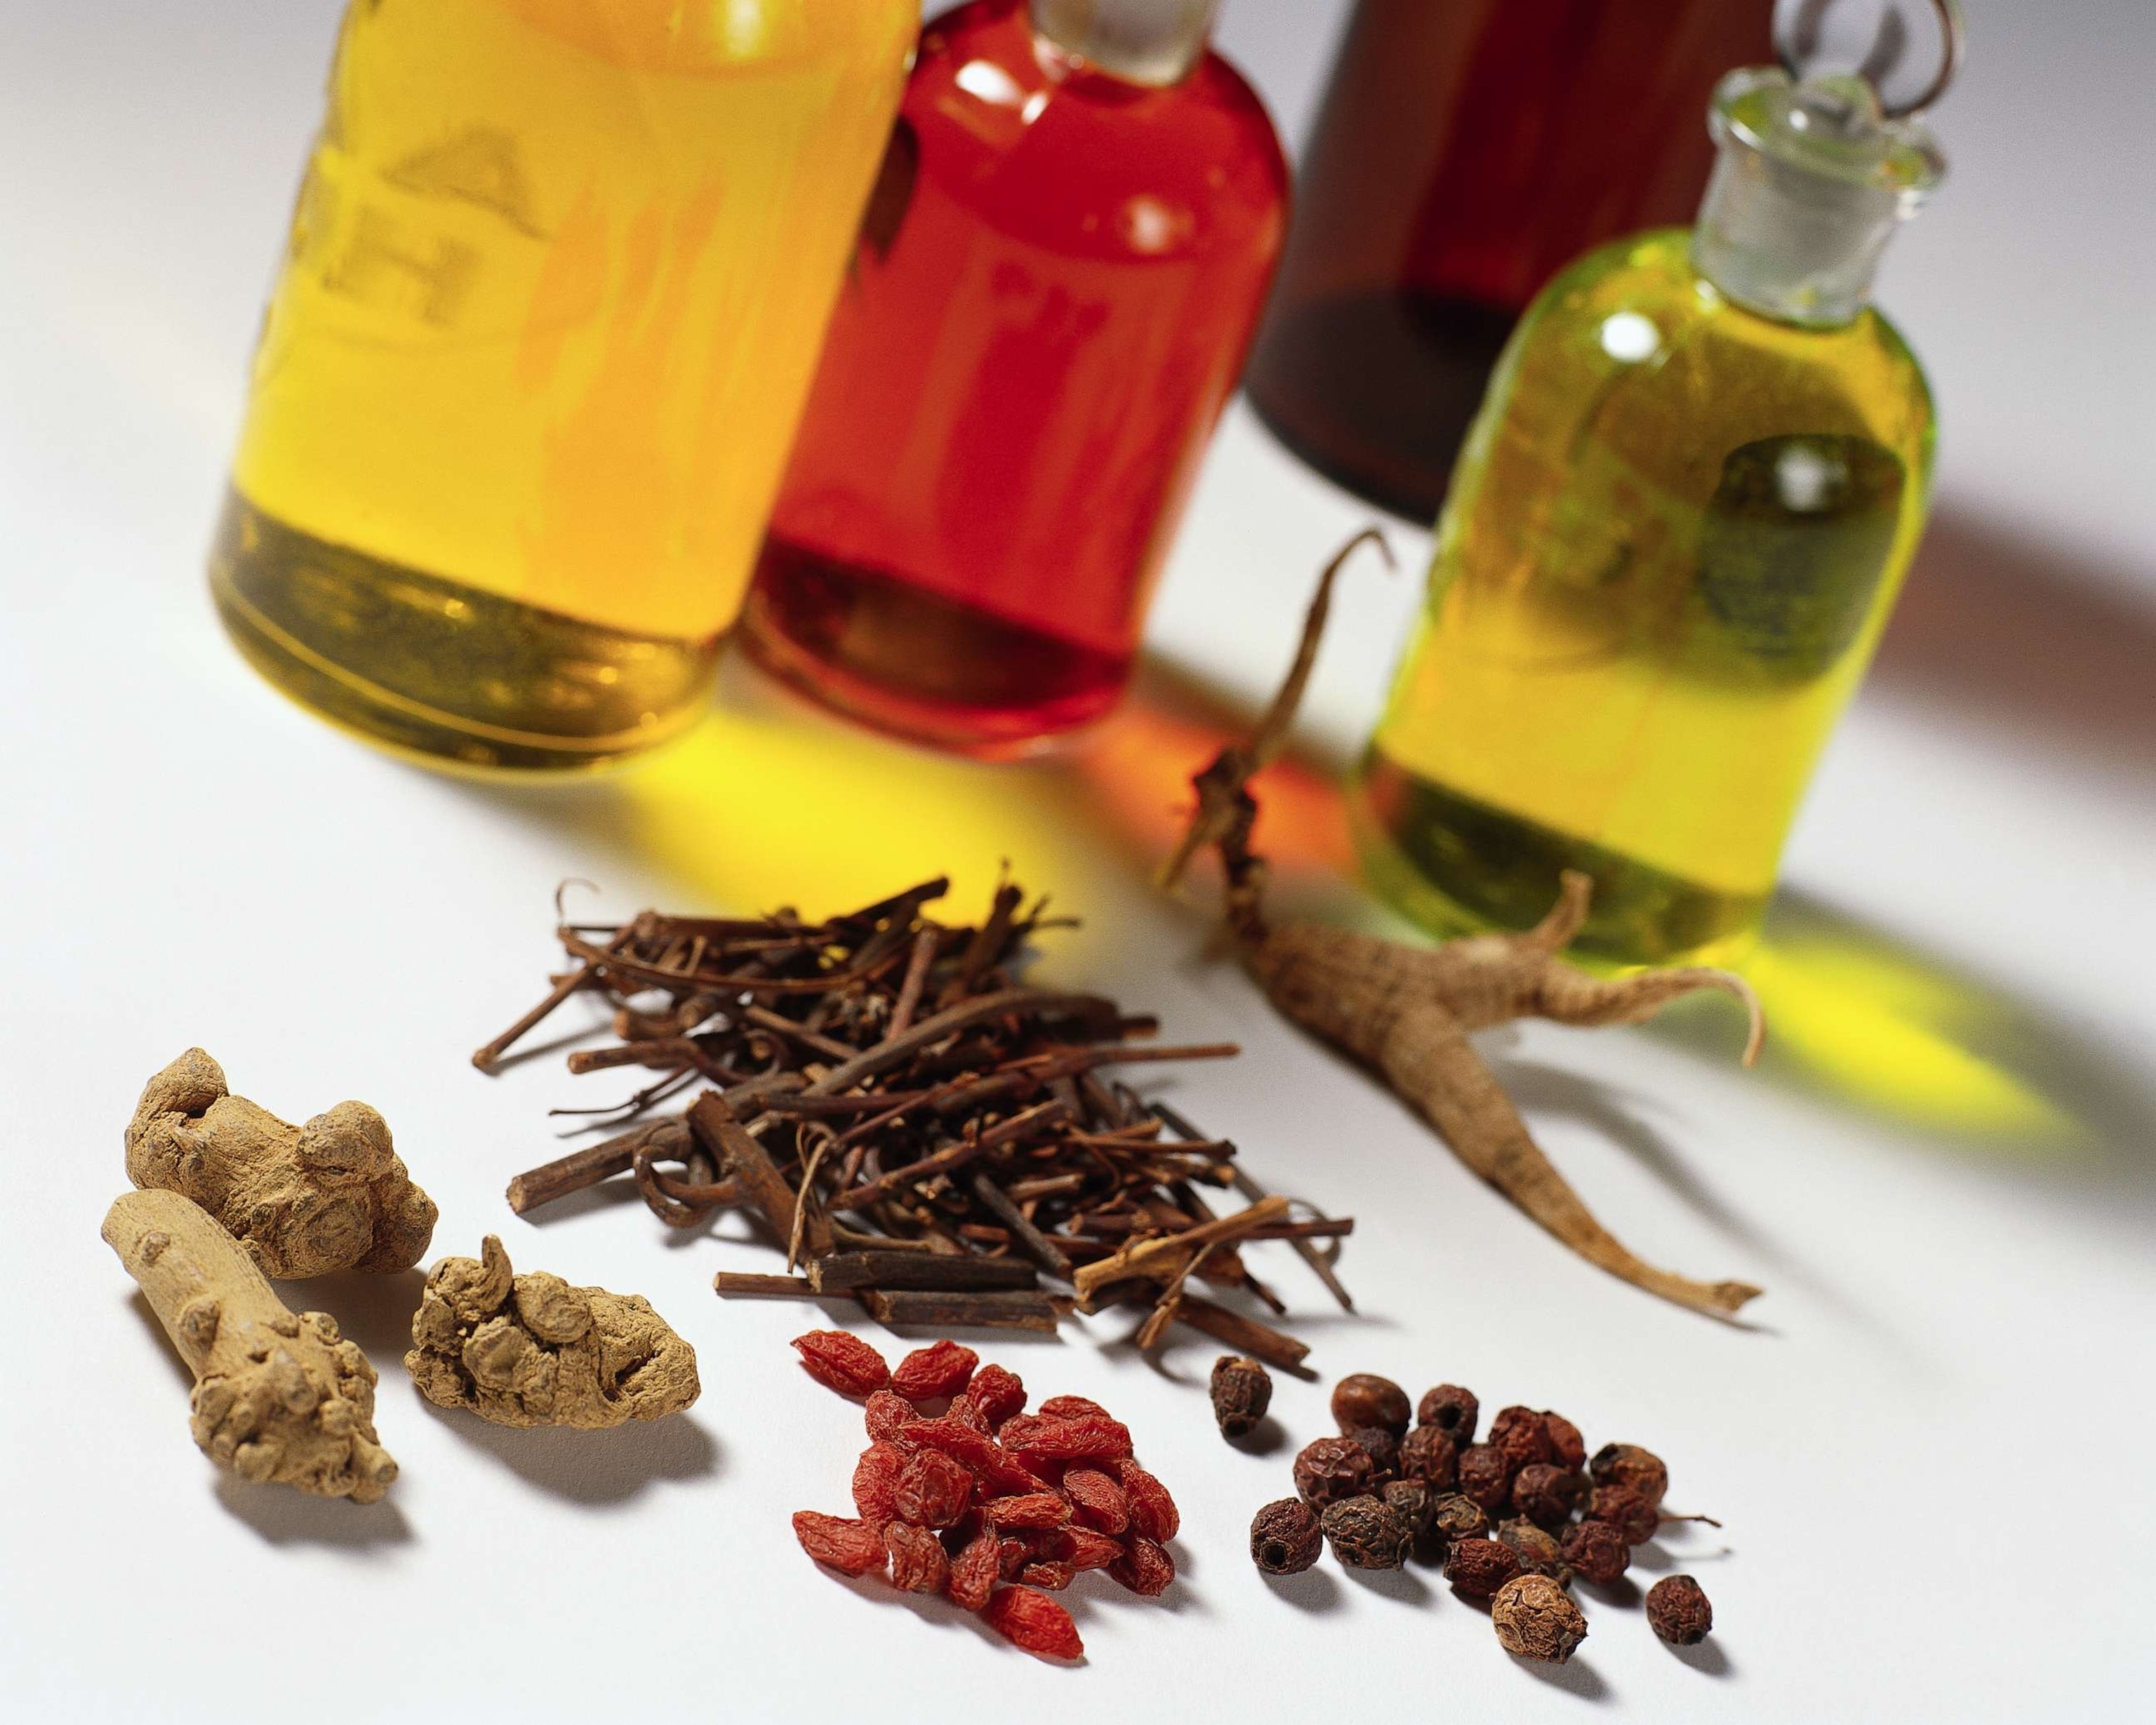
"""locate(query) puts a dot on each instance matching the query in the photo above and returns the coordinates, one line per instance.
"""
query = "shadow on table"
(283, 1516)
(595, 1469)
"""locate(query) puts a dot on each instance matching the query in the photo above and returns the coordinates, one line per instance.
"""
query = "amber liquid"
(1050, 306)
(554, 290)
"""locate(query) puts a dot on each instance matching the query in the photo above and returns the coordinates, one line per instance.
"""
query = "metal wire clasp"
(1799, 41)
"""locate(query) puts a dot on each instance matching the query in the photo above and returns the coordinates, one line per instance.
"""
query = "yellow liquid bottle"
(554, 288)
(1673, 538)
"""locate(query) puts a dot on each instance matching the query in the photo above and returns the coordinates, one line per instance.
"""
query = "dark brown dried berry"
(933, 1491)
(1545, 1494)
(1626, 1510)
(1365, 1398)
(1145, 1567)
(1524, 1437)
(1034, 1621)
(1153, 1512)
(1486, 1475)
(1536, 1549)
(918, 1562)
(1385, 1450)
(843, 1362)
(886, 1413)
(875, 1482)
(1567, 1448)
(1413, 1502)
(1678, 1611)
(997, 1393)
(1629, 1464)
(1452, 1410)
(1100, 1502)
(940, 1369)
(1366, 1533)
(1242, 1390)
(1478, 1568)
(973, 1573)
(1454, 1516)
(1333, 1468)
(1536, 1620)
(851, 1548)
(1284, 1537)
(1597, 1552)
(1428, 1455)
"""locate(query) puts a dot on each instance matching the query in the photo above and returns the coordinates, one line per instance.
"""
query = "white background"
(1927, 1450)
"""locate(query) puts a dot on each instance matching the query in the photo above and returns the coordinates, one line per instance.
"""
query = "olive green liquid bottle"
(1673, 538)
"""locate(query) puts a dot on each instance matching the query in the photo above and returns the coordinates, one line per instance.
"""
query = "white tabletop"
(1925, 1450)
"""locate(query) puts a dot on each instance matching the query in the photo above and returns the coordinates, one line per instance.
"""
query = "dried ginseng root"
(993, 1507)
(1407, 1013)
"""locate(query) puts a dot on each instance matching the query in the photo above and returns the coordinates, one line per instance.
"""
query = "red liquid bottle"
(1057, 281)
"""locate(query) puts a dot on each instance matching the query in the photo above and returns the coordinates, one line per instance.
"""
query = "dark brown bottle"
(1466, 150)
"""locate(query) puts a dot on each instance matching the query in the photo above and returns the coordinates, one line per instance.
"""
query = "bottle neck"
(1153, 41)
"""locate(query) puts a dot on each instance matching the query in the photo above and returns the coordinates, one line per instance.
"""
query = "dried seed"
(1366, 1533)
(1478, 1568)
(1384, 1451)
(1629, 1464)
(1545, 1494)
(1536, 1619)
(1521, 1433)
(1364, 1398)
(1568, 1449)
(1597, 1552)
(1333, 1468)
(1428, 1455)
(1678, 1611)
(1285, 1538)
(1415, 1503)
(1454, 1516)
(1626, 1510)
(1486, 1475)
(1452, 1410)
(1242, 1390)
(1536, 1549)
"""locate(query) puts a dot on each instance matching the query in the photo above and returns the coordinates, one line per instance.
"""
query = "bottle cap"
(1156, 42)
(1809, 185)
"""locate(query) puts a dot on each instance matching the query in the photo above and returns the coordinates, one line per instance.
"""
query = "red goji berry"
(999, 1470)
(975, 1571)
(918, 1562)
(875, 1482)
(886, 1413)
(1073, 1407)
(1090, 1437)
(1144, 1567)
(1083, 1548)
(1100, 1502)
(1034, 1622)
(963, 1410)
(852, 1547)
(940, 1368)
(843, 1362)
(996, 1393)
(932, 1490)
(1036, 1509)
(1153, 1512)
(1053, 1576)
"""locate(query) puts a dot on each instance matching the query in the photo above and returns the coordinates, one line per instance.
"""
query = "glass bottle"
(550, 304)
(1464, 153)
(1676, 533)
(1075, 226)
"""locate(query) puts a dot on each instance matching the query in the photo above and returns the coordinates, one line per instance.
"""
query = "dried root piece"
(279, 1396)
(302, 1200)
(1406, 1011)
(530, 1350)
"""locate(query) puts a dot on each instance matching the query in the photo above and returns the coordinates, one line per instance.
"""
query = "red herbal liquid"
(1056, 284)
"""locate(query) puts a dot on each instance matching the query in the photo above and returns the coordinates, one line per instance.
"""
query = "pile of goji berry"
(994, 1507)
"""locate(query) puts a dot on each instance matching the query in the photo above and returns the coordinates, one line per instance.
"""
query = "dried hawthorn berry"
(1454, 1516)
(1428, 1455)
(875, 1482)
(1452, 1410)
(1678, 1611)
(1478, 1568)
(1545, 1493)
(1145, 1566)
(1285, 1538)
(1626, 1510)
(851, 1548)
(1629, 1464)
(1036, 1509)
(1085, 1437)
(1365, 1398)
(1084, 1548)
(1536, 1549)
(1597, 1552)
(1535, 1619)
(1366, 1533)
(1153, 1512)
(1413, 1502)
(1030, 1620)
(1567, 1448)
(1385, 1450)
(996, 1393)
(1332, 1469)
(1242, 1390)
(940, 1368)
(1047, 1573)
(1073, 1407)
(918, 1562)
(1524, 1437)
(842, 1362)
(1100, 1502)
(886, 1413)
(933, 1491)
(974, 1572)
(1486, 1475)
